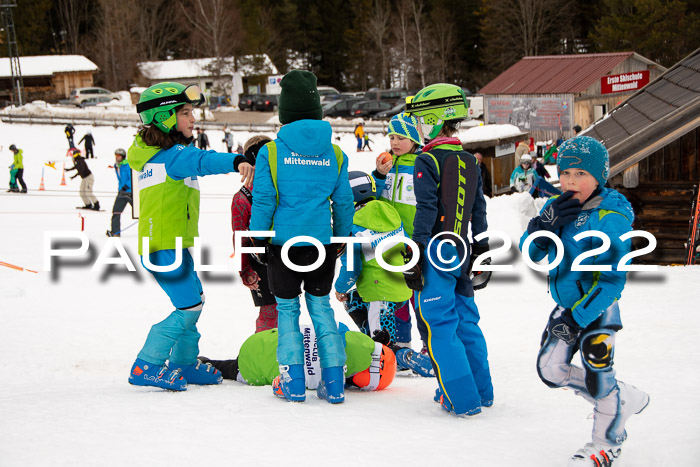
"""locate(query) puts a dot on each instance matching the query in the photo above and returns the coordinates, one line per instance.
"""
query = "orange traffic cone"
(41, 185)
(63, 178)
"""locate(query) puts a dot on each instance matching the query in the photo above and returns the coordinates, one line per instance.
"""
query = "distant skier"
(586, 316)
(124, 196)
(202, 139)
(89, 143)
(18, 167)
(228, 139)
(87, 180)
(70, 131)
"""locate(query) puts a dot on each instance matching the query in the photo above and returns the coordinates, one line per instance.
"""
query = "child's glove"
(250, 278)
(480, 279)
(414, 276)
(560, 212)
(382, 336)
(564, 327)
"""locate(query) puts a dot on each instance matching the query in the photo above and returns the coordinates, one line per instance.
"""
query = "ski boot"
(290, 384)
(632, 401)
(332, 385)
(160, 376)
(110, 234)
(447, 406)
(417, 362)
(199, 373)
(593, 455)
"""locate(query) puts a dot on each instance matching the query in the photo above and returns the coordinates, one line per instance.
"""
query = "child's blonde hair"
(255, 140)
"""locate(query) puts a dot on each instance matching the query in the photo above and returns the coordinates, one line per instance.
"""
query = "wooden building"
(47, 77)
(654, 143)
(547, 95)
(497, 144)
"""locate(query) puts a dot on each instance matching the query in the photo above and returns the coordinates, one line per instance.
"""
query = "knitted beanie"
(406, 126)
(586, 153)
(299, 98)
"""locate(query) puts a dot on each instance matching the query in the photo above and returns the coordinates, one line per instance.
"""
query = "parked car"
(339, 108)
(389, 95)
(91, 96)
(387, 114)
(326, 91)
(368, 108)
(219, 101)
(260, 102)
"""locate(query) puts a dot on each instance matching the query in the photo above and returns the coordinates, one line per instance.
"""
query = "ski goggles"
(192, 94)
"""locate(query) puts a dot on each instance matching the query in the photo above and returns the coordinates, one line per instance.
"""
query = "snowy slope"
(68, 342)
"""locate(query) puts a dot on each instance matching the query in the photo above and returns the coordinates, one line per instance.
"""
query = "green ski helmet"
(157, 104)
(436, 104)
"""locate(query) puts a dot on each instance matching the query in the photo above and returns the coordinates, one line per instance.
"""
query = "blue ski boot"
(199, 373)
(419, 363)
(290, 384)
(447, 406)
(160, 376)
(332, 385)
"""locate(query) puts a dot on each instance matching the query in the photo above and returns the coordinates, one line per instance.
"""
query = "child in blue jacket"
(301, 181)
(123, 172)
(587, 315)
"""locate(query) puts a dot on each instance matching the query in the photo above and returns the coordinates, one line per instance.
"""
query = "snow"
(488, 133)
(47, 65)
(70, 336)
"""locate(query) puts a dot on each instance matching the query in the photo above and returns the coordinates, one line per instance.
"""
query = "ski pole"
(126, 228)
(18, 268)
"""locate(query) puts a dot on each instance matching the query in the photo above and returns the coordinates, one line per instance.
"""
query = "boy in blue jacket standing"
(123, 171)
(587, 315)
(301, 181)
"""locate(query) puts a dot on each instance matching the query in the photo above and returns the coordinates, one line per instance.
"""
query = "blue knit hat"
(406, 126)
(586, 153)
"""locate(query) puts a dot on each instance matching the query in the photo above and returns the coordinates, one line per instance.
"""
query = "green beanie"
(299, 98)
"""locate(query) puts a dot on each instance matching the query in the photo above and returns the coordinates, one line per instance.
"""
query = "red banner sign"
(624, 82)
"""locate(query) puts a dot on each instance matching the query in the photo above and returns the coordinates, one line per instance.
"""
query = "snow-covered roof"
(47, 65)
(488, 133)
(248, 65)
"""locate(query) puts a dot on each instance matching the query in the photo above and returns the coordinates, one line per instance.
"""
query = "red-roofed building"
(546, 96)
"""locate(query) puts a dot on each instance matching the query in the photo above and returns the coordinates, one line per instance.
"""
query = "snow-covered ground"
(68, 340)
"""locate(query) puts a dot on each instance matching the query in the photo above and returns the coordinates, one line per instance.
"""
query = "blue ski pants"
(455, 342)
(176, 337)
(290, 344)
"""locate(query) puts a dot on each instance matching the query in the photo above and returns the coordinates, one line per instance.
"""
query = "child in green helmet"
(169, 213)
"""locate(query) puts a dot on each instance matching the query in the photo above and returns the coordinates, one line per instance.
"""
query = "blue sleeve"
(343, 206)
(264, 194)
(127, 175)
(379, 180)
(187, 161)
(479, 222)
(609, 284)
(513, 175)
(346, 279)
(425, 184)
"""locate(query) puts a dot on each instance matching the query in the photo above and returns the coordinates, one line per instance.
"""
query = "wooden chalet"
(654, 143)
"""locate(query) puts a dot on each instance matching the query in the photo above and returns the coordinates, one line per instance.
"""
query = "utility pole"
(12, 50)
